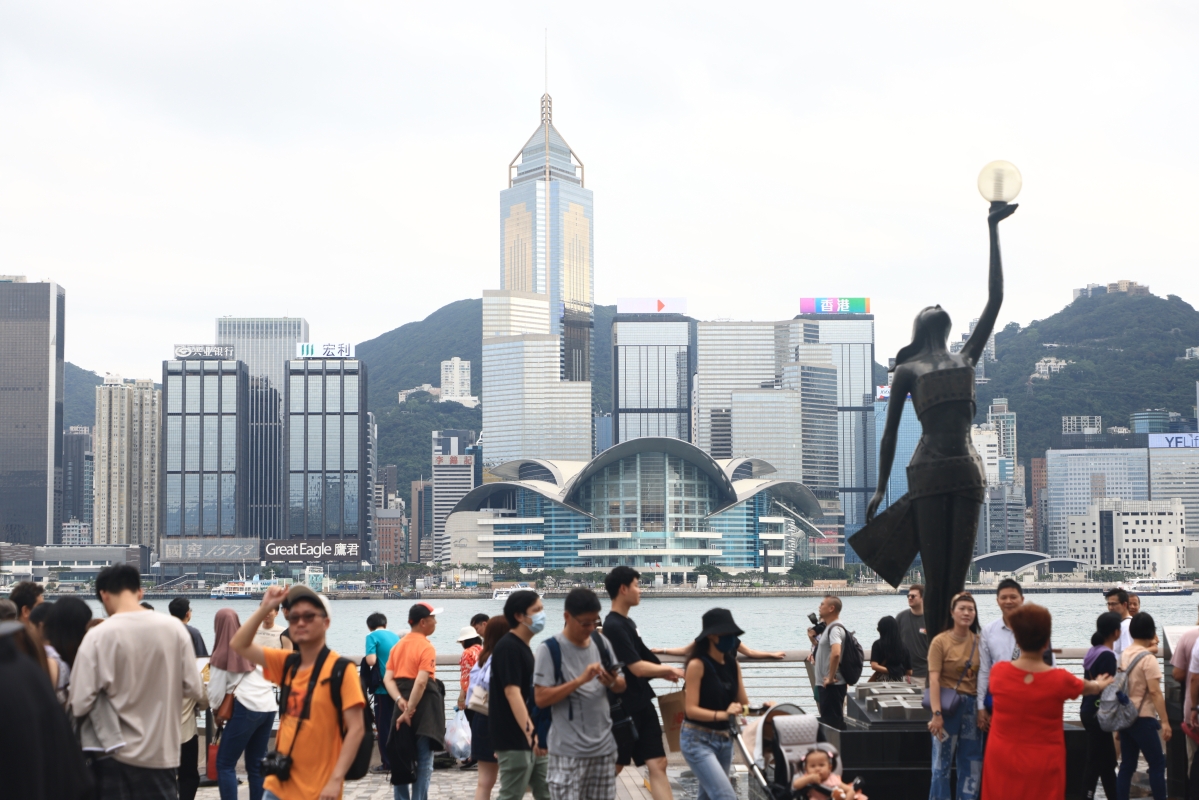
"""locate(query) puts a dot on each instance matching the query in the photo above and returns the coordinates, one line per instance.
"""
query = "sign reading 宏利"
(464, 461)
(209, 549)
(834, 305)
(314, 550)
(1158, 440)
(326, 350)
(215, 351)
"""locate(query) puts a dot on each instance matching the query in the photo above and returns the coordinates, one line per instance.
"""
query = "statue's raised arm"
(973, 349)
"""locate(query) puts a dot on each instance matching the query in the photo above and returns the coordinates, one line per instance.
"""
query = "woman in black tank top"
(714, 693)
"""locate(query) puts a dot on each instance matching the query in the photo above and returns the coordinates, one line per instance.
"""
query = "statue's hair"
(921, 338)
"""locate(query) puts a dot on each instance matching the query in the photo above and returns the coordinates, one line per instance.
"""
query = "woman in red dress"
(1026, 747)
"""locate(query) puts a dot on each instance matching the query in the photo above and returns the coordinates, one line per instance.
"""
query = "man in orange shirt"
(411, 680)
(320, 755)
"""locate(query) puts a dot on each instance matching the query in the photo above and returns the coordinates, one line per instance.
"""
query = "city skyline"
(292, 181)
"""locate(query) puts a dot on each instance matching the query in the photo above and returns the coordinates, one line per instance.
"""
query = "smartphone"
(615, 668)
(942, 735)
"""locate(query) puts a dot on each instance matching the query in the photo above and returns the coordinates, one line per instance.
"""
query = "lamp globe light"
(1000, 181)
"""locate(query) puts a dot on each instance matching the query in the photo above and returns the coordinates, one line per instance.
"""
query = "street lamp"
(1000, 182)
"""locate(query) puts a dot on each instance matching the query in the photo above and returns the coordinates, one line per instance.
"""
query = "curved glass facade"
(649, 493)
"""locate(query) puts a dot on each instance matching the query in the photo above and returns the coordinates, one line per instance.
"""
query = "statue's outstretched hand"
(872, 508)
(1001, 211)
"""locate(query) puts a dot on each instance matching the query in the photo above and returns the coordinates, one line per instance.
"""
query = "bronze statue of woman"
(946, 482)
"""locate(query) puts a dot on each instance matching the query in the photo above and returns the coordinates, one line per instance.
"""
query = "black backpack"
(853, 658)
(362, 760)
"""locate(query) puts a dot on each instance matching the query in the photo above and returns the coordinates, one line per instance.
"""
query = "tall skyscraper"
(77, 463)
(1040, 504)
(420, 524)
(326, 453)
(205, 457)
(906, 440)
(453, 477)
(1001, 415)
(265, 345)
(845, 326)
(1174, 472)
(653, 363)
(528, 410)
(126, 471)
(31, 383)
(547, 239)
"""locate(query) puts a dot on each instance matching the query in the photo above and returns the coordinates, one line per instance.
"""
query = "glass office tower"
(547, 239)
(265, 345)
(205, 452)
(326, 451)
(653, 358)
(77, 487)
(849, 338)
(31, 383)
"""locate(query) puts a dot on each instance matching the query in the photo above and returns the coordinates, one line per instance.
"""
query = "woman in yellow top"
(953, 658)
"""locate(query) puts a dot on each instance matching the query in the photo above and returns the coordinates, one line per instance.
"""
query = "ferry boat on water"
(502, 594)
(1154, 587)
(237, 590)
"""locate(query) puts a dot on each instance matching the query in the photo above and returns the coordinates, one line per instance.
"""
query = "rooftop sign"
(324, 350)
(215, 351)
(834, 305)
(314, 550)
(1160, 440)
(651, 305)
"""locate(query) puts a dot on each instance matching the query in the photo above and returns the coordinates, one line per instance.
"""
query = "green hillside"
(1126, 352)
(79, 396)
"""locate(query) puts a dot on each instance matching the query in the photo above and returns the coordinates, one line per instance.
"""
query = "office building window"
(191, 444)
(229, 505)
(228, 443)
(296, 501)
(212, 520)
(316, 521)
(174, 505)
(296, 445)
(191, 506)
(314, 442)
(333, 504)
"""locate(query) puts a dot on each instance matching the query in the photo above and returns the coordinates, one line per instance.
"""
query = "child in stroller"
(816, 779)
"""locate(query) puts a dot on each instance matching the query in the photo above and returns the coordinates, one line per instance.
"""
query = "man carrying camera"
(575, 680)
(827, 637)
(311, 757)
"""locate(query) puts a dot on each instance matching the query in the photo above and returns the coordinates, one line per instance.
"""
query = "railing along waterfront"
(782, 680)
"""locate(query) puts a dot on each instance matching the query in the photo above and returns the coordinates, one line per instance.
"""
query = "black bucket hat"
(719, 622)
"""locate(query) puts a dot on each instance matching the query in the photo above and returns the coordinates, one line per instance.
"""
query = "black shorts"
(480, 738)
(649, 738)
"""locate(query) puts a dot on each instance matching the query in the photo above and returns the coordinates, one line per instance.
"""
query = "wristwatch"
(936, 713)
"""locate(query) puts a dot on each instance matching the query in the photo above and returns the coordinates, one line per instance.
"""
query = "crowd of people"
(996, 695)
(113, 703)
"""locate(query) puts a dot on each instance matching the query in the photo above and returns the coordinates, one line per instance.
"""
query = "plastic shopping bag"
(457, 736)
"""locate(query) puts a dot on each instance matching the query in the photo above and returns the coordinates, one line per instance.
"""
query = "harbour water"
(769, 623)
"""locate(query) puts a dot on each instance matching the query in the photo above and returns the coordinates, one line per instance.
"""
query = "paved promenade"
(448, 784)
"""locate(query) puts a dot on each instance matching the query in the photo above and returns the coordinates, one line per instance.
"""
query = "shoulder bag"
(950, 697)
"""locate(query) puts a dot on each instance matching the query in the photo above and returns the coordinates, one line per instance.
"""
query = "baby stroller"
(795, 736)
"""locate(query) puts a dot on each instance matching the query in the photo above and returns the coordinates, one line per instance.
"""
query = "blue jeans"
(246, 732)
(709, 755)
(424, 773)
(384, 708)
(1142, 737)
(965, 741)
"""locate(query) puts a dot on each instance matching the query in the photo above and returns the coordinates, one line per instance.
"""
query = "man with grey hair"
(830, 683)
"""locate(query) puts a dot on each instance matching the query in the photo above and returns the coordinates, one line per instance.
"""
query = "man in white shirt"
(997, 643)
(1117, 601)
(145, 663)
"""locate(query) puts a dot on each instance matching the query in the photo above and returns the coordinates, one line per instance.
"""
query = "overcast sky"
(169, 163)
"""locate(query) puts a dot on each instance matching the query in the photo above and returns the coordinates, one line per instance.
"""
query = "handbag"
(478, 701)
(225, 712)
(210, 762)
(950, 697)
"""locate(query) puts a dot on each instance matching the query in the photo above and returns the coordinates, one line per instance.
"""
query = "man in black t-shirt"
(520, 763)
(624, 587)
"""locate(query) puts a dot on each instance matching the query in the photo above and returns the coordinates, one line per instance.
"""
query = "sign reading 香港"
(315, 550)
(834, 305)
(1160, 440)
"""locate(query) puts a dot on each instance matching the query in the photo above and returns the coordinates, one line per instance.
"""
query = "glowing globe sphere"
(1000, 180)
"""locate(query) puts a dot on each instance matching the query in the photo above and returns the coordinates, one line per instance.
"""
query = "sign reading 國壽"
(834, 305)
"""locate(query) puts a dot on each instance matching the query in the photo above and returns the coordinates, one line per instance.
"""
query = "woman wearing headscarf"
(243, 700)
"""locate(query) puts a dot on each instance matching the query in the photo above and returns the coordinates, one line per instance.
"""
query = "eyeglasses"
(592, 623)
(913, 596)
(306, 618)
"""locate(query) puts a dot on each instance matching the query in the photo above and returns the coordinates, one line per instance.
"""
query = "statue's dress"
(888, 544)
